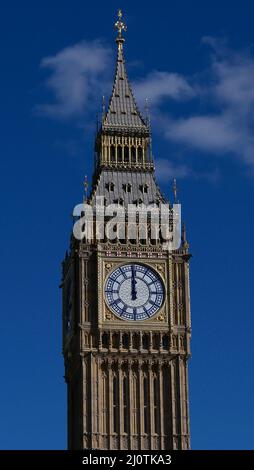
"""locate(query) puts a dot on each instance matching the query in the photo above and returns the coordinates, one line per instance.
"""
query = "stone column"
(120, 403)
(141, 404)
(151, 404)
(110, 403)
(129, 404)
(161, 411)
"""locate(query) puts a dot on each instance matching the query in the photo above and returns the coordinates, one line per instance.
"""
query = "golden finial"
(85, 188)
(175, 191)
(119, 25)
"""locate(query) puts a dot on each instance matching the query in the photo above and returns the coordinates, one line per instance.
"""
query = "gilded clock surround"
(159, 315)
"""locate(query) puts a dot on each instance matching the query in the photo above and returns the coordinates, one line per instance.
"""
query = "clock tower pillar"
(126, 303)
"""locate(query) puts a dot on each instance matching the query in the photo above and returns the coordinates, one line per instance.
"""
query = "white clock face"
(134, 292)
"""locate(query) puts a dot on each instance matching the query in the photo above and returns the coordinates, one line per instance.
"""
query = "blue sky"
(195, 63)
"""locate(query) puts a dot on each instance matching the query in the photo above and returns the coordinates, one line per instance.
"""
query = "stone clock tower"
(126, 303)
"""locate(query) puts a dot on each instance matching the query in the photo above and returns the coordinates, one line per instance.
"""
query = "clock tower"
(126, 302)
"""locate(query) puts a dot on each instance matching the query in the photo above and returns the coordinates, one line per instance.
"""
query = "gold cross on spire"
(119, 25)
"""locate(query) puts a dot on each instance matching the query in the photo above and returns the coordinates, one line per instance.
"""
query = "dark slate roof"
(121, 178)
(123, 111)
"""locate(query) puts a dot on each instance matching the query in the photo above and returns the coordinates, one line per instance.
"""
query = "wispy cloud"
(159, 85)
(166, 169)
(226, 129)
(79, 74)
(220, 122)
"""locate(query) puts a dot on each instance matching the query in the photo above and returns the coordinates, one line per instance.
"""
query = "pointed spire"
(103, 107)
(147, 112)
(185, 243)
(184, 237)
(175, 190)
(123, 112)
(85, 188)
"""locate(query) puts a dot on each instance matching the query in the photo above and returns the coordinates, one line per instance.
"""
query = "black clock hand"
(133, 284)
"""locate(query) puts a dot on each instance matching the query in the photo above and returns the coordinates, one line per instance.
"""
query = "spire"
(123, 112)
(85, 188)
(175, 190)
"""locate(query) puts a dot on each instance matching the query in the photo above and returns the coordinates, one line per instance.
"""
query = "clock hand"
(133, 284)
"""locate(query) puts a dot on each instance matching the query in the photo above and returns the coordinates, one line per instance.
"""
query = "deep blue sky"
(43, 161)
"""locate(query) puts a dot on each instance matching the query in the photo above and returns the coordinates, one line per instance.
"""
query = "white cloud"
(166, 170)
(159, 85)
(78, 77)
(207, 133)
(227, 128)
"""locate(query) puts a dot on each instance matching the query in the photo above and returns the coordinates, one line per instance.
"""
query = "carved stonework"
(161, 270)
(161, 317)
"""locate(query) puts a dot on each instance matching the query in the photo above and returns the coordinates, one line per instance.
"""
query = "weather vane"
(119, 25)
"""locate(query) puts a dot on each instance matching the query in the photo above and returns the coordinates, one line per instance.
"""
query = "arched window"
(165, 342)
(126, 154)
(112, 153)
(133, 154)
(145, 341)
(119, 153)
(115, 341)
(105, 340)
(135, 341)
(156, 341)
(140, 154)
(125, 341)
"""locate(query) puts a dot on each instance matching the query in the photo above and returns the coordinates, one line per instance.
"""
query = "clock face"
(134, 292)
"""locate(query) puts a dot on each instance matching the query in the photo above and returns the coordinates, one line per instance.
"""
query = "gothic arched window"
(140, 154)
(125, 341)
(165, 342)
(119, 153)
(105, 340)
(133, 154)
(145, 341)
(112, 153)
(156, 341)
(126, 154)
(115, 341)
(135, 341)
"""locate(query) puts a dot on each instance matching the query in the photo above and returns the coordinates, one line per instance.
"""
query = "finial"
(184, 238)
(185, 243)
(85, 188)
(175, 191)
(103, 107)
(120, 26)
(147, 112)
